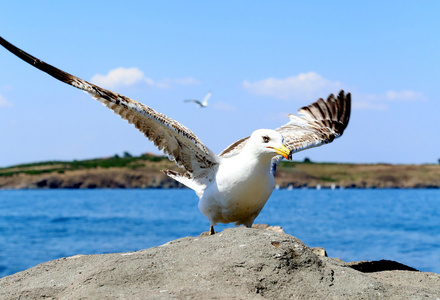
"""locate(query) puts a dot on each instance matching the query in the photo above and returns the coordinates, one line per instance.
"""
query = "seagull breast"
(240, 190)
(244, 182)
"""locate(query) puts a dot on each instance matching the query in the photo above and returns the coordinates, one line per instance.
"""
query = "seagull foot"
(211, 230)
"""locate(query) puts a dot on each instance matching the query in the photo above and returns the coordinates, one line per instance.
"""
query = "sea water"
(351, 224)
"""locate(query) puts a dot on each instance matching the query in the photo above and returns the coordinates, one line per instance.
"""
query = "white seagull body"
(233, 186)
(203, 103)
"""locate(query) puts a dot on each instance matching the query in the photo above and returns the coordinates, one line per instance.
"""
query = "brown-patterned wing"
(234, 148)
(320, 123)
(174, 139)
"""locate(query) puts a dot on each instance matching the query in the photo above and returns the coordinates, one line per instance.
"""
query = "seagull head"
(269, 143)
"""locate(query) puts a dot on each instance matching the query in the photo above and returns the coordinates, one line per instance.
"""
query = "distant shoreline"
(144, 172)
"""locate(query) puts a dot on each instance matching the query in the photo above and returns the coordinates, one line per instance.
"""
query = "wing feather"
(319, 123)
(174, 139)
(234, 148)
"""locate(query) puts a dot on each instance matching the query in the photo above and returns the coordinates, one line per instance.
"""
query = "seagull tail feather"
(186, 180)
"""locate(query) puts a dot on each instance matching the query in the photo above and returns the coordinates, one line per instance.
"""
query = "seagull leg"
(211, 230)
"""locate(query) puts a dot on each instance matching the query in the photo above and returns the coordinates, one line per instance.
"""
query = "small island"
(144, 171)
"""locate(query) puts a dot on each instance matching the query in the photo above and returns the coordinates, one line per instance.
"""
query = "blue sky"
(261, 60)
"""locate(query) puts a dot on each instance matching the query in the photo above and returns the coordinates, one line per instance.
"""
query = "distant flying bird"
(233, 186)
(204, 103)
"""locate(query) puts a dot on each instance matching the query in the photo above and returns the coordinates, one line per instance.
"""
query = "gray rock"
(238, 263)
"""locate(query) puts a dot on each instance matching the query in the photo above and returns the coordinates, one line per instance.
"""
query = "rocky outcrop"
(237, 263)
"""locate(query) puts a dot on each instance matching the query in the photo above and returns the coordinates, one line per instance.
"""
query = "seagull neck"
(256, 160)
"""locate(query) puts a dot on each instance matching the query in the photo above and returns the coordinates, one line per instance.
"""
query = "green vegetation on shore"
(116, 161)
(143, 171)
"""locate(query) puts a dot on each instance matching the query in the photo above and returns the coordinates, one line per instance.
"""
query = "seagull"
(233, 186)
(204, 103)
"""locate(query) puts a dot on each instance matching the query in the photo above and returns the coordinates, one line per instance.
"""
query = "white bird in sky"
(233, 186)
(204, 103)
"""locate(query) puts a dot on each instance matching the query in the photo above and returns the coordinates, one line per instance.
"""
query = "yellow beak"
(284, 151)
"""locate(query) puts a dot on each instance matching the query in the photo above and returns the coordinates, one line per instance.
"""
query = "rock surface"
(238, 263)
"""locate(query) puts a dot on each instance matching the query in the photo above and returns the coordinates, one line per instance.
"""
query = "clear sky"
(261, 60)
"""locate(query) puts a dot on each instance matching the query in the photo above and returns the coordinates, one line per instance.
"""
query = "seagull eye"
(266, 139)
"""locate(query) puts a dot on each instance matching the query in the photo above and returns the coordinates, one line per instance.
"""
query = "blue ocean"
(351, 224)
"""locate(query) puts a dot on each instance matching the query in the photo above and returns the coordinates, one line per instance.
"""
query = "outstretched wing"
(194, 101)
(205, 100)
(320, 123)
(174, 139)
